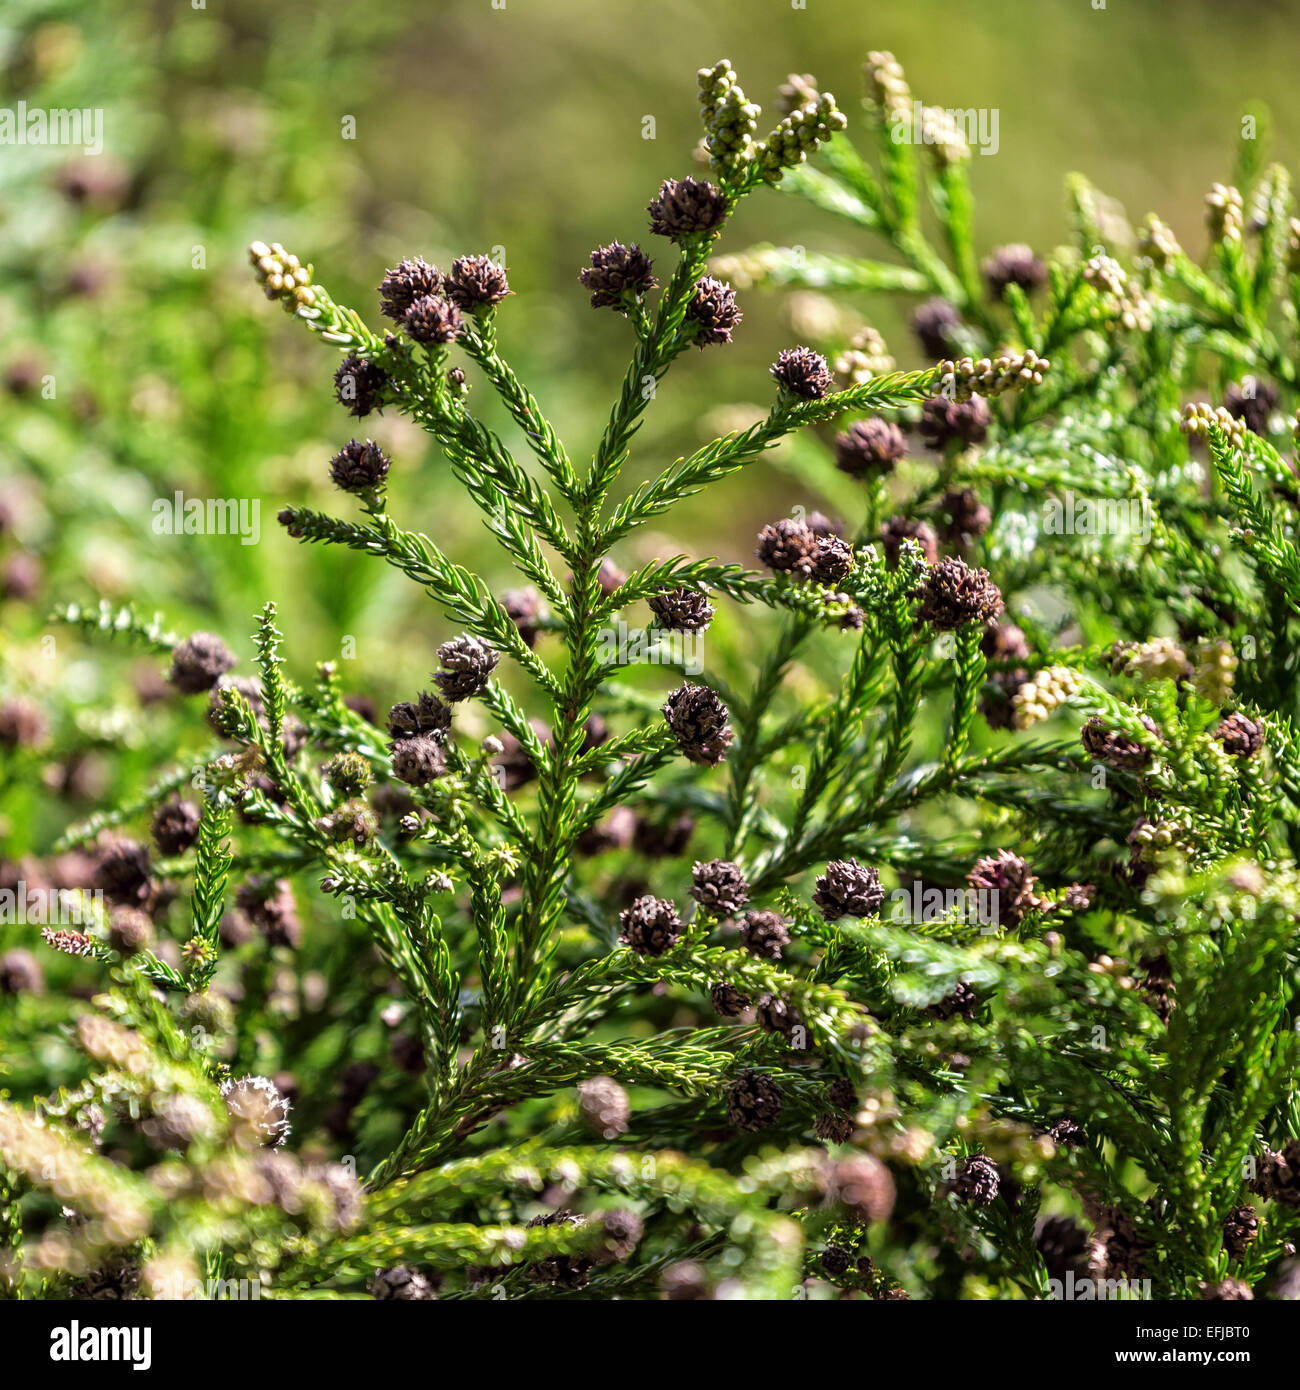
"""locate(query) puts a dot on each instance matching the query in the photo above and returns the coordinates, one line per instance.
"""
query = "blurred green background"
(137, 357)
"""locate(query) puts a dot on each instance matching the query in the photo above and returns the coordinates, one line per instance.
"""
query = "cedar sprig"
(678, 962)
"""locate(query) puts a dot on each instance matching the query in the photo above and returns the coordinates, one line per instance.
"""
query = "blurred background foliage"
(137, 358)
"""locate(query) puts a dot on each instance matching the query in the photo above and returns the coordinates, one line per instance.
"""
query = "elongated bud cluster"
(1159, 659)
(1157, 243)
(887, 88)
(1041, 697)
(1106, 275)
(941, 134)
(797, 136)
(281, 275)
(758, 264)
(729, 120)
(798, 90)
(867, 355)
(961, 379)
(1223, 213)
(1215, 671)
(1199, 416)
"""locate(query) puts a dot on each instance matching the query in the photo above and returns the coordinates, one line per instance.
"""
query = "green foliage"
(982, 985)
